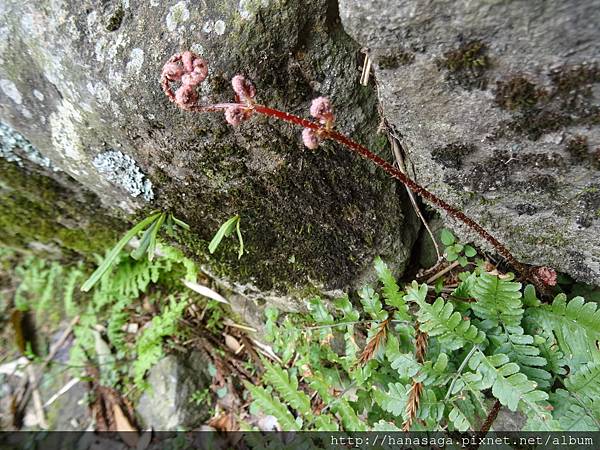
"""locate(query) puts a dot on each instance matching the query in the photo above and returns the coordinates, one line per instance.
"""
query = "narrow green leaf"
(108, 261)
(145, 241)
(180, 223)
(239, 235)
(155, 228)
(224, 231)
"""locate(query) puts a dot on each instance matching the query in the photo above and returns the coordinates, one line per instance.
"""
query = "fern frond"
(391, 291)
(404, 363)
(575, 324)
(318, 311)
(350, 420)
(520, 349)
(375, 342)
(412, 405)
(371, 303)
(326, 422)
(71, 308)
(149, 345)
(538, 412)
(498, 301)
(549, 350)
(441, 321)
(584, 384)
(286, 385)
(116, 322)
(459, 420)
(270, 404)
(395, 399)
(507, 383)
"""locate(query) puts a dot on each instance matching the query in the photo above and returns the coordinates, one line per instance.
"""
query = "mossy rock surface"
(80, 81)
(499, 113)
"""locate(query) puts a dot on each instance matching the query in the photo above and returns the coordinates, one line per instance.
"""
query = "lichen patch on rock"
(177, 15)
(122, 170)
(14, 146)
(10, 90)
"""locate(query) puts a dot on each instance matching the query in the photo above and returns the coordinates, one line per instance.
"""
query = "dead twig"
(442, 272)
(400, 164)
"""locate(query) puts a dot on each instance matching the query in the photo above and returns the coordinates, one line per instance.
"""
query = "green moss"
(539, 109)
(36, 208)
(452, 155)
(578, 148)
(395, 59)
(516, 93)
(116, 18)
(466, 65)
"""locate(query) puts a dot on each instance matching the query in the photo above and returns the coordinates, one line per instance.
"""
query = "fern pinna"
(413, 359)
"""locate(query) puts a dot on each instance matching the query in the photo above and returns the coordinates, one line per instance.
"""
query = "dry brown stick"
(400, 163)
(492, 415)
(434, 277)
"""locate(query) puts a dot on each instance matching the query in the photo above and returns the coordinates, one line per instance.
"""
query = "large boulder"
(80, 100)
(497, 105)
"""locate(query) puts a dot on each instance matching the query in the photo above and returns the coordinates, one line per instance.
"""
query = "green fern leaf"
(549, 350)
(350, 420)
(520, 349)
(287, 386)
(459, 420)
(584, 384)
(371, 303)
(498, 301)
(319, 312)
(507, 383)
(395, 399)
(71, 308)
(326, 423)
(537, 410)
(273, 406)
(441, 321)
(391, 291)
(575, 324)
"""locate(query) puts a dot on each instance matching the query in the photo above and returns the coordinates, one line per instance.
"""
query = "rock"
(167, 403)
(508, 420)
(498, 108)
(80, 84)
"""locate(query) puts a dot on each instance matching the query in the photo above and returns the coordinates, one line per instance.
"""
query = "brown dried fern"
(374, 344)
(412, 406)
(414, 398)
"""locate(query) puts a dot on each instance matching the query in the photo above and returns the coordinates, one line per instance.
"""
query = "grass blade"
(224, 231)
(239, 235)
(154, 231)
(180, 223)
(139, 252)
(108, 261)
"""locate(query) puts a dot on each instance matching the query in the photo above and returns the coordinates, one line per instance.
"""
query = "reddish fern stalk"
(245, 106)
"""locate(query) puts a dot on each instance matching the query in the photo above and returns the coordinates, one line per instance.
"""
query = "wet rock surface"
(79, 80)
(498, 108)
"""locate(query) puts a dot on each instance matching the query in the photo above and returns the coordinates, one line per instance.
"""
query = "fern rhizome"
(435, 358)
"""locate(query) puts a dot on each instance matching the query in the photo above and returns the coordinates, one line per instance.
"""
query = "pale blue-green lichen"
(14, 147)
(122, 170)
